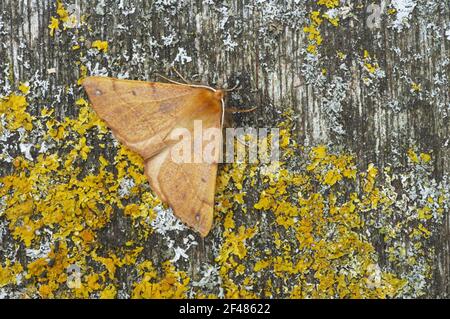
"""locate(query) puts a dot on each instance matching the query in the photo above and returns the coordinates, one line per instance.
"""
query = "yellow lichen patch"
(54, 25)
(24, 88)
(413, 156)
(232, 251)
(52, 198)
(53, 195)
(316, 17)
(313, 234)
(262, 264)
(61, 11)
(416, 87)
(101, 46)
(333, 21)
(314, 36)
(370, 180)
(392, 11)
(234, 245)
(331, 169)
(370, 63)
(172, 284)
(110, 292)
(9, 272)
(422, 158)
(14, 107)
(326, 228)
(68, 20)
(329, 3)
(49, 274)
(425, 157)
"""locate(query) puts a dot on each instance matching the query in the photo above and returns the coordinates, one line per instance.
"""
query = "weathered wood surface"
(373, 91)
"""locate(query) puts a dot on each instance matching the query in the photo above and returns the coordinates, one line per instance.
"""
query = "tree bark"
(375, 91)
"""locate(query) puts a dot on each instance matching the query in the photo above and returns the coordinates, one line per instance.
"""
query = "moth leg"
(234, 87)
(180, 76)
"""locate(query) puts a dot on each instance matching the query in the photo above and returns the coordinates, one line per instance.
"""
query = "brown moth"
(142, 116)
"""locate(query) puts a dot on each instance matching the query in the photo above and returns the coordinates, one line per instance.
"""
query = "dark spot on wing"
(168, 106)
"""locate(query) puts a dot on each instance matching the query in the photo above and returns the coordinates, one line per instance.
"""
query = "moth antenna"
(233, 88)
(184, 84)
(179, 74)
(167, 79)
(223, 114)
(236, 110)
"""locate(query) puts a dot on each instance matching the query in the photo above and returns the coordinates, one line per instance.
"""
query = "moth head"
(219, 94)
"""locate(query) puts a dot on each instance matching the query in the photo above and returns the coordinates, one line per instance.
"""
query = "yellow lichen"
(172, 284)
(329, 3)
(54, 25)
(100, 45)
(14, 107)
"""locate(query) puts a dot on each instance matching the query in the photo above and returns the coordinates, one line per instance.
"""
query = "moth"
(143, 115)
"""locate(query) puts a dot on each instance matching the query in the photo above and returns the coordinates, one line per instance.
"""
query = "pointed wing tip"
(204, 226)
(204, 232)
(88, 81)
(95, 88)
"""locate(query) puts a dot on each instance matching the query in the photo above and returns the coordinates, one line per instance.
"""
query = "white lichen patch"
(404, 10)
(25, 149)
(166, 221)
(182, 57)
(125, 185)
